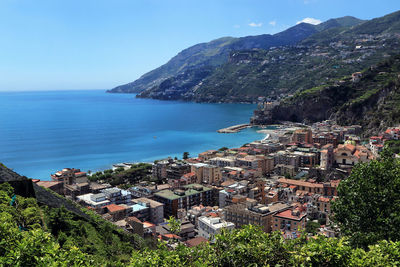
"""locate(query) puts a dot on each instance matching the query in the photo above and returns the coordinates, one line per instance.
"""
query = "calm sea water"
(41, 132)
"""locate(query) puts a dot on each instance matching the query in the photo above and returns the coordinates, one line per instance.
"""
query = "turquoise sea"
(42, 132)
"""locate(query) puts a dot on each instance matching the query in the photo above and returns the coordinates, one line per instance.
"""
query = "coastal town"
(200, 133)
(285, 182)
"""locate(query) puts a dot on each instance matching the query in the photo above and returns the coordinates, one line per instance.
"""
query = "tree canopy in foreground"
(368, 207)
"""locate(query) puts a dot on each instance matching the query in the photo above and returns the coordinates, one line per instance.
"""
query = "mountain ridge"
(216, 52)
(253, 73)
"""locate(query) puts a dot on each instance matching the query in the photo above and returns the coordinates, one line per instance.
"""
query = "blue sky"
(98, 44)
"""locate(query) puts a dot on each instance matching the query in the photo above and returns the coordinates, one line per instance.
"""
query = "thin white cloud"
(253, 24)
(310, 21)
(236, 26)
(273, 23)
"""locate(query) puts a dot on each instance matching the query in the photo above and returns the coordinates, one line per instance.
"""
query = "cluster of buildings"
(376, 143)
(279, 184)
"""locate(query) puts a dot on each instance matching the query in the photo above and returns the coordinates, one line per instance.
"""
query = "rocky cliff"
(24, 186)
(372, 101)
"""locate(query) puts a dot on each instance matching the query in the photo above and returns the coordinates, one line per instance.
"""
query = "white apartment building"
(210, 226)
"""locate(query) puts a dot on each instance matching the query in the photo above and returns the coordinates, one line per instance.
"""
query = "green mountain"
(329, 54)
(205, 57)
(387, 24)
(373, 101)
(347, 21)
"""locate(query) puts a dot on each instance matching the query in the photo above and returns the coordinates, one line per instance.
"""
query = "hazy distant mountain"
(215, 53)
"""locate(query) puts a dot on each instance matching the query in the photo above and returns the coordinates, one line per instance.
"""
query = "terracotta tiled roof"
(133, 218)
(299, 183)
(228, 183)
(324, 199)
(47, 184)
(335, 183)
(172, 236)
(114, 208)
(302, 193)
(287, 214)
(148, 224)
(196, 241)
(189, 175)
(349, 147)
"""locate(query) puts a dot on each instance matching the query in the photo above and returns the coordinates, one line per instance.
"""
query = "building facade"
(185, 198)
(210, 226)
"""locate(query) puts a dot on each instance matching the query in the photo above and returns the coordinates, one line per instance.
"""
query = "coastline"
(92, 130)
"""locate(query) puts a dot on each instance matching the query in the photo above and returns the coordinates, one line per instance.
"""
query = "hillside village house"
(250, 212)
(210, 226)
(349, 154)
(325, 189)
(289, 221)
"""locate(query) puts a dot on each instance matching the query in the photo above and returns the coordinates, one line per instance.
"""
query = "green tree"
(288, 176)
(368, 207)
(59, 220)
(394, 145)
(34, 247)
(119, 169)
(174, 225)
(185, 155)
(109, 171)
(250, 246)
(33, 235)
(312, 227)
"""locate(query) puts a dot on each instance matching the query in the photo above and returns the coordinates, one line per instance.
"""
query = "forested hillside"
(336, 50)
(373, 101)
(187, 69)
(41, 228)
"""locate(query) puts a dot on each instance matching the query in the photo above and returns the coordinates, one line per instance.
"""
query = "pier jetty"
(234, 128)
